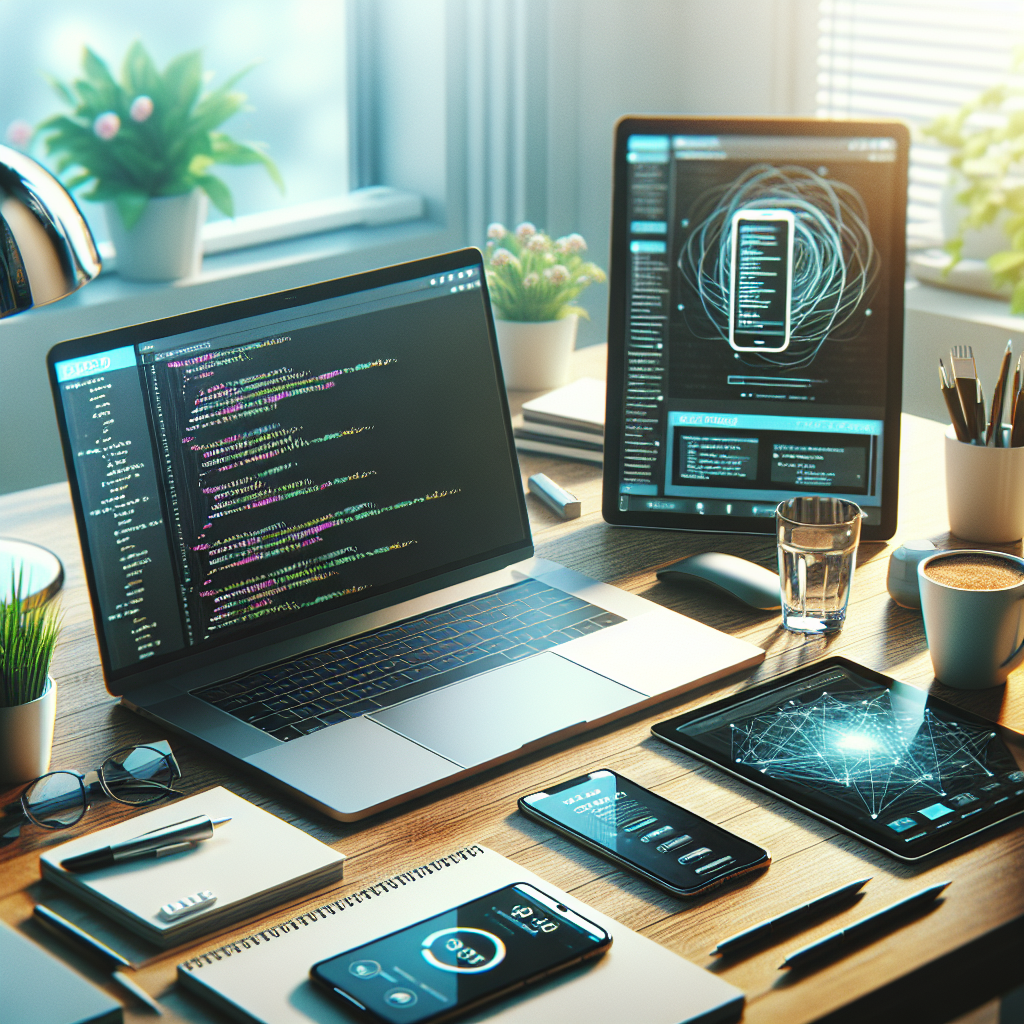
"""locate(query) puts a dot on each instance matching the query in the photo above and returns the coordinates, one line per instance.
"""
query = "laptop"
(307, 547)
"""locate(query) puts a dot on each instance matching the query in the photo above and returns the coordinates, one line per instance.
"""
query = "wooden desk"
(963, 953)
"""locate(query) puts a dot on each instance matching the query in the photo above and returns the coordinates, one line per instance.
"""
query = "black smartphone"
(637, 829)
(454, 962)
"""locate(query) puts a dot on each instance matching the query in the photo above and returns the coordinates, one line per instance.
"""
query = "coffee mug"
(973, 606)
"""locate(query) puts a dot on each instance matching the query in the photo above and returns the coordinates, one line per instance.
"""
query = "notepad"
(38, 987)
(264, 978)
(254, 862)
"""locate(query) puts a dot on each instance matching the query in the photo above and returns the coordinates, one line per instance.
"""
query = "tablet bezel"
(893, 280)
(802, 797)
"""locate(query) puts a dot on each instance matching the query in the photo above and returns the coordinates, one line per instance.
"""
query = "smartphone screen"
(673, 847)
(760, 281)
(443, 966)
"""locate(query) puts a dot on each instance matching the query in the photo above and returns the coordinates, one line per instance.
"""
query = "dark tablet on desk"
(883, 760)
(755, 331)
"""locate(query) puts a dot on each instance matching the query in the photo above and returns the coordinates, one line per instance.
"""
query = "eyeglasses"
(137, 775)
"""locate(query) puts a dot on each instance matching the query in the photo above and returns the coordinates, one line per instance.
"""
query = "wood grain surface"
(967, 949)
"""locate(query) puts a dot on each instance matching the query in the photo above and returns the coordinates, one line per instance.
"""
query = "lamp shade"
(46, 248)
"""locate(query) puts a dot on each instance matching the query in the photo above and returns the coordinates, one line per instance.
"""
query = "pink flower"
(106, 126)
(141, 109)
(557, 274)
(496, 231)
(525, 230)
(571, 243)
(531, 279)
(19, 133)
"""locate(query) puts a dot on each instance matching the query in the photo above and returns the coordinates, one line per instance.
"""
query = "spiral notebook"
(264, 978)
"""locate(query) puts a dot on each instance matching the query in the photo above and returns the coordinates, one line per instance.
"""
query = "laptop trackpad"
(495, 714)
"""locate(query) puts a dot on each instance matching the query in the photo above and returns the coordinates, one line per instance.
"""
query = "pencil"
(956, 413)
(994, 434)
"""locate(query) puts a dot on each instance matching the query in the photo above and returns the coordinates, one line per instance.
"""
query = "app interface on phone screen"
(458, 957)
(654, 834)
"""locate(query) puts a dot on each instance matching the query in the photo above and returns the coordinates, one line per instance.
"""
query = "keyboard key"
(333, 717)
(287, 733)
(587, 627)
(532, 615)
(515, 653)
(310, 725)
(359, 707)
(570, 618)
(607, 619)
(252, 712)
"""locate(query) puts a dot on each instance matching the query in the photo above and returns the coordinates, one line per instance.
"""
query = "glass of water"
(818, 540)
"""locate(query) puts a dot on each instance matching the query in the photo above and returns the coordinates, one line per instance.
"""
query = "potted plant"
(28, 695)
(985, 138)
(534, 283)
(144, 146)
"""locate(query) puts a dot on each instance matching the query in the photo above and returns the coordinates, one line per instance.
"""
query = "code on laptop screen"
(250, 474)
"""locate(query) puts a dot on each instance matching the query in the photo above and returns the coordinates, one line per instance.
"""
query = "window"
(914, 60)
(297, 89)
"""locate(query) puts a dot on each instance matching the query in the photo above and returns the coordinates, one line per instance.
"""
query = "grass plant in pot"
(534, 283)
(28, 694)
(144, 146)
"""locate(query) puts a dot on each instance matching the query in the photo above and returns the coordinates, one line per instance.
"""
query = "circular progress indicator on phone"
(463, 950)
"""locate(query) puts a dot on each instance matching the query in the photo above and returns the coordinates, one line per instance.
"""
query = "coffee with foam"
(975, 572)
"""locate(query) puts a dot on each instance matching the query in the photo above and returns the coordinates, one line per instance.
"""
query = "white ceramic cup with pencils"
(984, 491)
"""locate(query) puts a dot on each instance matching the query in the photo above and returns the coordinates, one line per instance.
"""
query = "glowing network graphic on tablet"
(869, 750)
(831, 269)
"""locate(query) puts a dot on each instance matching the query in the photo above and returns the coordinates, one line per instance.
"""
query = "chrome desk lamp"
(46, 248)
(46, 252)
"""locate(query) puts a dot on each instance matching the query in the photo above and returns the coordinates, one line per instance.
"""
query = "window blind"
(914, 60)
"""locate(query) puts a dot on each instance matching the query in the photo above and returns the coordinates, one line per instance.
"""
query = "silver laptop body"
(307, 546)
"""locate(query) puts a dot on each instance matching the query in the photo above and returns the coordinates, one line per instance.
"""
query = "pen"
(867, 924)
(994, 434)
(75, 936)
(790, 917)
(182, 835)
(952, 399)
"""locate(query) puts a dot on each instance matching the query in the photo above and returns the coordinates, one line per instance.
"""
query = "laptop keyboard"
(376, 670)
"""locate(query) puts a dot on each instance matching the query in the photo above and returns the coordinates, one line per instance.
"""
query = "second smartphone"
(637, 829)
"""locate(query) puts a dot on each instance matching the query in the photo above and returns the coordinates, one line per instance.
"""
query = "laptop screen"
(757, 320)
(257, 465)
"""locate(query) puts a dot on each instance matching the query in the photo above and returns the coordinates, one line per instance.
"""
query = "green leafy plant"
(149, 134)
(28, 634)
(986, 142)
(532, 278)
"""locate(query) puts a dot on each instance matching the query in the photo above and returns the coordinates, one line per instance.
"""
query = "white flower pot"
(26, 737)
(536, 355)
(980, 243)
(166, 243)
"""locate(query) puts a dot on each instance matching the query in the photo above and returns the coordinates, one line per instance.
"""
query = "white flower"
(562, 244)
(141, 109)
(576, 243)
(525, 230)
(106, 125)
(496, 231)
(531, 279)
(557, 274)
(19, 133)
(502, 257)
(538, 243)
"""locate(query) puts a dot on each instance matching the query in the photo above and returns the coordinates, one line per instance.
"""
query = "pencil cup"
(984, 491)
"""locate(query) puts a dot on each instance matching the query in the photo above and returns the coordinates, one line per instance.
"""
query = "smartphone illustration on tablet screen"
(761, 280)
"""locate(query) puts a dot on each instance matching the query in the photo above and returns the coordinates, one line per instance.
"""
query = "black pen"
(790, 917)
(879, 919)
(182, 835)
(82, 940)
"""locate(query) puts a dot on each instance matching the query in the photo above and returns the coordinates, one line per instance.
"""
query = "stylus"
(791, 917)
(831, 943)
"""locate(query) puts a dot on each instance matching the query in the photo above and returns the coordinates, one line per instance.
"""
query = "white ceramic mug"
(984, 491)
(975, 637)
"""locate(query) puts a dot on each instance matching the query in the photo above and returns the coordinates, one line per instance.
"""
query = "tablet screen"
(757, 280)
(882, 759)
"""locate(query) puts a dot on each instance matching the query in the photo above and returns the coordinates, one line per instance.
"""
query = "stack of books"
(567, 422)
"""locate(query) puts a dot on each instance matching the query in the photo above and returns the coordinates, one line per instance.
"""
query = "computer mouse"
(747, 581)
